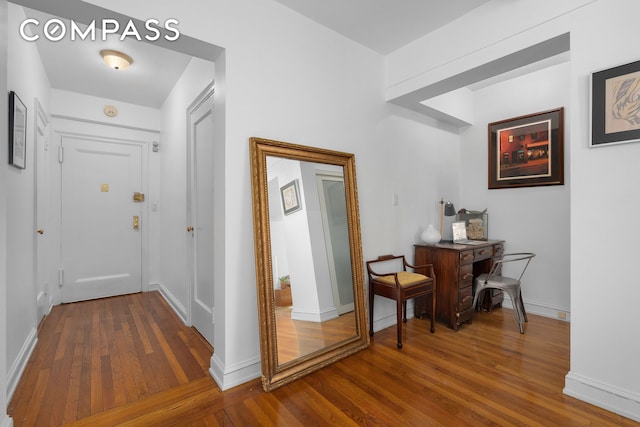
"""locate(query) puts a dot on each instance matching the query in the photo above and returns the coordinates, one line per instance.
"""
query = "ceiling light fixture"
(116, 60)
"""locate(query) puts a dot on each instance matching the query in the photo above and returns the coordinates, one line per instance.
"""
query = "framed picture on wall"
(17, 132)
(290, 194)
(527, 151)
(615, 105)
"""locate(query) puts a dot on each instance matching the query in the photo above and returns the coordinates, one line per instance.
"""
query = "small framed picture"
(527, 151)
(615, 105)
(290, 197)
(17, 132)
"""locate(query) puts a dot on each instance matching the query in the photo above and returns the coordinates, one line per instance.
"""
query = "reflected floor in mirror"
(298, 338)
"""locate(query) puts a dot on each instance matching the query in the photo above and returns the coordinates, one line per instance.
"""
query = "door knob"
(40, 231)
(189, 229)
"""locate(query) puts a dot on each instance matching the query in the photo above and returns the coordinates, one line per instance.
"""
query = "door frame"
(73, 128)
(203, 96)
(322, 175)
(44, 299)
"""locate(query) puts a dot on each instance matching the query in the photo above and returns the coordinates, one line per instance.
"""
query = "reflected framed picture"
(17, 132)
(615, 105)
(290, 194)
(527, 151)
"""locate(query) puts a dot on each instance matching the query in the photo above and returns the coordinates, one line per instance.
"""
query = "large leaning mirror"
(309, 268)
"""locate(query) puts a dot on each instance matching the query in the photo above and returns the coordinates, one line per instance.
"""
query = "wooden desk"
(455, 268)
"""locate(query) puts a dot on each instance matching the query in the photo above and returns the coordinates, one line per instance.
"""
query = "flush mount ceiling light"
(116, 60)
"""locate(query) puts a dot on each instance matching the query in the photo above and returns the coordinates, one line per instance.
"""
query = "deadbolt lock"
(138, 197)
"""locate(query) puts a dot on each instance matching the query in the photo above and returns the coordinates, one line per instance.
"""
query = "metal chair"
(495, 280)
(391, 279)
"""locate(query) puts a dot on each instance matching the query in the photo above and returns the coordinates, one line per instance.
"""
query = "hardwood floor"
(297, 338)
(129, 361)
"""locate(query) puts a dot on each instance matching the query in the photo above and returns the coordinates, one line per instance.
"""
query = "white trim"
(20, 363)
(390, 320)
(603, 395)
(96, 122)
(171, 299)
(231, 376)
(331, 313)
(541, 309)
(6, 422)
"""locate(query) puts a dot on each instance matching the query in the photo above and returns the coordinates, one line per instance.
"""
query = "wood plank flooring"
(297, 338)
(129, 361)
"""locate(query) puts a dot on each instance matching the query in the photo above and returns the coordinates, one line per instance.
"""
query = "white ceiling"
(78, 67)
(381, 25)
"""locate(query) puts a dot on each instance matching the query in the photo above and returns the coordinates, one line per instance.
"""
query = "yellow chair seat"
(405, 278)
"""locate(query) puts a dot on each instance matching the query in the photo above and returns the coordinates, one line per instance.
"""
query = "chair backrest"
(525, 257)
(386, 264)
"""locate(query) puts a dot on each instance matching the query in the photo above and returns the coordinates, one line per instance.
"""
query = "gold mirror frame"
(274, 374)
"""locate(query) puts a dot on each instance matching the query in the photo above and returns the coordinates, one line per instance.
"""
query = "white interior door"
(336, 234)
(42, 202)
(101, 243)
(201, 155)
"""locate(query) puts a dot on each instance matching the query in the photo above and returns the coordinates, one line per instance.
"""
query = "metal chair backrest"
(507, 258)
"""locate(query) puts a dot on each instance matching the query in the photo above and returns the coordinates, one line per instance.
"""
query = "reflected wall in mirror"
(309, 267)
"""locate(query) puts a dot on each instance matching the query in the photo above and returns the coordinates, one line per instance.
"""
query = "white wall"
(5, 421)
(289, 79)
(529, 219)
(27, 78)
(604, 284)
(602, 257)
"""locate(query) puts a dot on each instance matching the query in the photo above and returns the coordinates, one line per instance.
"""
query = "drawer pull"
(467, 276)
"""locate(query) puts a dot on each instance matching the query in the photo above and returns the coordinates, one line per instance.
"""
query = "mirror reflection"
(311, 260)
(309, 267)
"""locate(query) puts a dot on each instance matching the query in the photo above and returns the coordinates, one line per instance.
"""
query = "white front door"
(101, 242)
(201, 159)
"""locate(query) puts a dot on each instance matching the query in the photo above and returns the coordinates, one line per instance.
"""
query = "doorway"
(200, 206)
(101, 223)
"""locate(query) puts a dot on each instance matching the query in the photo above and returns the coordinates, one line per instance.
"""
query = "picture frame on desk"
(527, 151)
(615, 110)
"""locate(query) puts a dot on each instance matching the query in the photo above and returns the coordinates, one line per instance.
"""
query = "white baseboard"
(230, 376)
(541, 309)
(603, 395)
(225, 376)
(6, 421)
(20, 363)
(171, 299)
(390, 320)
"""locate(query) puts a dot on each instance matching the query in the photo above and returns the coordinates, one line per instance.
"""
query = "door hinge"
(60, 277)
(60, 152)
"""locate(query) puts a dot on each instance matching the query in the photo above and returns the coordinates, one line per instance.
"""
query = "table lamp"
(447, 214)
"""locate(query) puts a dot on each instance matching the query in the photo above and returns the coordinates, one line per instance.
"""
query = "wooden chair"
(495, 280)
(388, 277)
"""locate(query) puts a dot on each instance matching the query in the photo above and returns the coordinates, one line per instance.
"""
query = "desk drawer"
(465, 298)
(466, 257)
(482, 253)
(498, 250)
(465, 277)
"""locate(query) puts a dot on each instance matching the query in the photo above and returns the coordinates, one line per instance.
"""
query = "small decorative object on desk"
(430, 235)
(477, 223)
